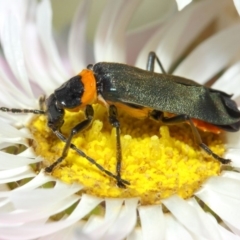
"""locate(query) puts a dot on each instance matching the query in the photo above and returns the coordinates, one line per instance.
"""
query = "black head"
(70, 93)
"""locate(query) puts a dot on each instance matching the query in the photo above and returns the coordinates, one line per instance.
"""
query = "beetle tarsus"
(50, 168)
(214, 155)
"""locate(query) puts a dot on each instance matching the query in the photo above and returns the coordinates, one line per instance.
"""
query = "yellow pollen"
(158, 160)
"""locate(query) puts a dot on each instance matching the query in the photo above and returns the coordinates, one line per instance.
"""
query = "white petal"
(40, 198)
(189, 217)
(136, 234)
(229, 81)
(126, 219)
(29, 153)
(101, 225)
(237, 99)
(174, 230)
(171, 42)
(16, 174)
(13, 119)
(150, 46)
(232, 140)
(5, 145)
(31, 215)
(86, 204)
(6, 206)
(138, 39)
(232, 228)
(59, 235)
(9, 85)
(227, 234)
(78, 234)
(32, 231)
(92, 227)
(226, 186)
(64, 234)
(13, 51)
(224, 205)
(182, 3)
(19, 9)
(39, 66)
(44, 24)
(237, 5)
(4, 187)
(36, 182)
(13, 141)
(208, 221)
(224, 233)
(14, 99)
(8, 161)
(39, 180)
(233, 155)
(152, 222)
(77, 41)
(211, 56)
(7, 130)
(231, 174)
(109, 42)
(13, 172)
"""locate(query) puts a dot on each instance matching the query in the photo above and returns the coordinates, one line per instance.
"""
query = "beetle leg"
(185, 118)
(81, 153)
(152, 56)
(113, 119)
(78, 128)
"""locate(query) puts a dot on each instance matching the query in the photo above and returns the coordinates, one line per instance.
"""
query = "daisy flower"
(175, 191)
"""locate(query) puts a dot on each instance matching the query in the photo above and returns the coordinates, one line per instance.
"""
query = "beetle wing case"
(130, 85)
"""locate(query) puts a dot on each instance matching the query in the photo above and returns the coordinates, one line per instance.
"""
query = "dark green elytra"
(167, 93)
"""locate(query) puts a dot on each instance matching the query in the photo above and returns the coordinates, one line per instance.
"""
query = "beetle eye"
(70, 93)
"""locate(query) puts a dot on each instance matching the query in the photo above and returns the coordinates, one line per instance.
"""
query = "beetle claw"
(48, 169)
(225, 161)
(121, 183)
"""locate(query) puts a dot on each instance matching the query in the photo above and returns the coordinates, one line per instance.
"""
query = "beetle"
(143, 94)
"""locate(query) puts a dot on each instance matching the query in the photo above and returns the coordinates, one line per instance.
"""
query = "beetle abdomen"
(126, 84)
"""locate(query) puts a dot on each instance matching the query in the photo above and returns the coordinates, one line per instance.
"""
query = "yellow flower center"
(157, 160)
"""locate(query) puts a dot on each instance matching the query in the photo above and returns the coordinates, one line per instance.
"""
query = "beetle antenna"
(16, 110)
